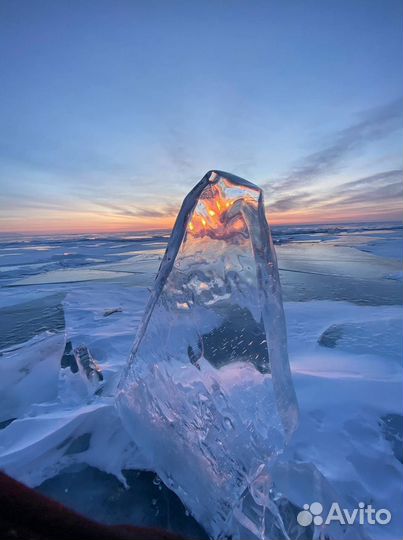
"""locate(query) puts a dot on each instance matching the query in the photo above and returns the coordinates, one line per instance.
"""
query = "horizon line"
(165, 229)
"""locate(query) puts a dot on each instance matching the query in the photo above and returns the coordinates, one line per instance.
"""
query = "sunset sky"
(111, 110)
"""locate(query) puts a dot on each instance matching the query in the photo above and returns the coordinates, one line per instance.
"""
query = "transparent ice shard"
(88, 365)
(80, 375)
(207, 394)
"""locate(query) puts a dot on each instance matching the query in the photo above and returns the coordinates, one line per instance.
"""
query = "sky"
(111, 110)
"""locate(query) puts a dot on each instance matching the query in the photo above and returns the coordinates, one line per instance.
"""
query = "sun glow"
(219, 213)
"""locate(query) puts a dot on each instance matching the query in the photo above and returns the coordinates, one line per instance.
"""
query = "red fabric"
(28, 515)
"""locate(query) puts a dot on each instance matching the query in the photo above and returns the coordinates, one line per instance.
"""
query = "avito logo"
(313, 513)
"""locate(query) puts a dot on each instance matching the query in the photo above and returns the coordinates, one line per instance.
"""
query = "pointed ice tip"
(214, 175)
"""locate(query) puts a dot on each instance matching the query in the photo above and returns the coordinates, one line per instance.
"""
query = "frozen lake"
(342, 288)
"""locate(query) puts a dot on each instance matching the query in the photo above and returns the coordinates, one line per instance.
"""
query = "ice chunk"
(207, 394)
(88, 365)
(80, 375)
(29, 374)
(51, 438)
(366, 337)
(111, 311)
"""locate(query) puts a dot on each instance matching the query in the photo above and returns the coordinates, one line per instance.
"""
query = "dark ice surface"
(23, 321)
(144, 502)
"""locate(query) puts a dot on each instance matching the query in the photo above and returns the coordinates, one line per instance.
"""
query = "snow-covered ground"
(343, 293)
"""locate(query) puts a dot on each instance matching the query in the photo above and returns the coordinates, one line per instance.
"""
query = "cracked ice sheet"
(33, 444)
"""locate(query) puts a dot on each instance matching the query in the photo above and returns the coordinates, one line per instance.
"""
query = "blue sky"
(111, 110)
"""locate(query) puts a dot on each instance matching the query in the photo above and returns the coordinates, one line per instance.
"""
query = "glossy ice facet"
(207, 394)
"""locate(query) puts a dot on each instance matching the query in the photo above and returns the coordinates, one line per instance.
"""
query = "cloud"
(385, 177)
(379, 189)
(294, 200)
(379, 195)
(168, 210)
(302, 190)
(374, 125)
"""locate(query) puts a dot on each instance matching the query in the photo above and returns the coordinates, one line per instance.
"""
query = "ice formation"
(80, 375)
(29, 374)
(207, 394)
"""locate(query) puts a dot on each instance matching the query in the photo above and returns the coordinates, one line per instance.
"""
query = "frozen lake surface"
(342, 287)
